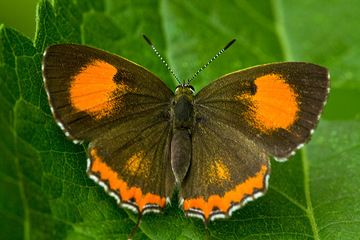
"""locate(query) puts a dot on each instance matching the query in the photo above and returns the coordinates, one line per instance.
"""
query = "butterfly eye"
(177, 88)
(192, 89)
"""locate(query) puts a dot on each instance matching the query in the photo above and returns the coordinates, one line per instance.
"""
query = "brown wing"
(277, 105)
(132, 162)
(90, 90)
(123, 111)
(241, 119)
(227, 170)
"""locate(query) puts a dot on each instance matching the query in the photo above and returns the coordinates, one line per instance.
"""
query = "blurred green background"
(20, 14)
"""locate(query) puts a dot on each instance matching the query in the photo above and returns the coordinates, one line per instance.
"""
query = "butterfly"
(146, 140)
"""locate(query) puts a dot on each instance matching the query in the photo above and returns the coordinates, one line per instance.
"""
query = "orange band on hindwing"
(216, 204)
(127, 194)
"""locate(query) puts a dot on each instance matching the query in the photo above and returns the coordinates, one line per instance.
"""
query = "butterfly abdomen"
(180, 153)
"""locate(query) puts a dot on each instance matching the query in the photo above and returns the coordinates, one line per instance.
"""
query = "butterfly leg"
(136, 227)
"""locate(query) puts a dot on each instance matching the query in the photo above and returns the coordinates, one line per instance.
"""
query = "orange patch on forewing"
(218, 172)
(236, 195)
(138, 165)
(93, 87)
(119, 186)
(275, 103)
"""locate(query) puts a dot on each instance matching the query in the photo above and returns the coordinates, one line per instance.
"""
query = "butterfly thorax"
(183, 112)
(183, 119)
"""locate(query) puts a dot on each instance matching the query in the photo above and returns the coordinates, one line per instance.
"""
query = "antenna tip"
(147, 39)
(229, 44)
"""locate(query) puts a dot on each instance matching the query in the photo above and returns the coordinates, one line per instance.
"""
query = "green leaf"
(45, 193)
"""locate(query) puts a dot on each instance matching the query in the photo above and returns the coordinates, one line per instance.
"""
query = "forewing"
(227, 170)
(276, 105)
(90, 90)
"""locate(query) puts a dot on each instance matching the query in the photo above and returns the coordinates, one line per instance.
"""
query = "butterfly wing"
(277, 105)
(134, 164)
(123, 111)
(227, 170)
(92, 88)
(241, 119)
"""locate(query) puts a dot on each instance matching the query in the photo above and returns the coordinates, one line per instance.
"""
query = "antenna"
(211, 60)
(161, 58)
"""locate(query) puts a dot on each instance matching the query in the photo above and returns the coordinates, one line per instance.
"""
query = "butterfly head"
(184, 89)
(184, 95)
